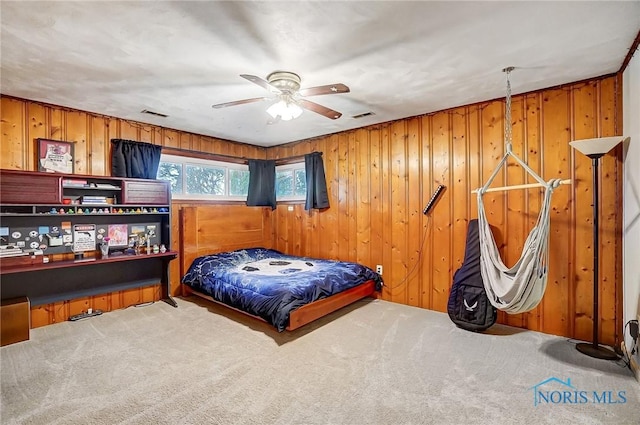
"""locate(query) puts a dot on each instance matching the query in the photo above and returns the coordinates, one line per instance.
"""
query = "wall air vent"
(157, 114)
(366, 114)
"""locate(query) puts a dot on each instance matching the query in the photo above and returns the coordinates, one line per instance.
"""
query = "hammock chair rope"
(519, 288)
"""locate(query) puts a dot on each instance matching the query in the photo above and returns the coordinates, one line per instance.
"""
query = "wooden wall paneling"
(352, 199)
(150, 293)
(113, 132)
(99, 148)
(343, 199)
(175, 273)
(583, 126)
(101, 302)
(532, 151)
(36, 128)
(415, 196)
(184, 141)
(610, 219)
(556, 114)
(299, 214)
(131, 297)
(171, 139)
(57, 120)
(441, 216)
(157, 135)
(474, 170)
(129, 130)
(145, 133)
(362, 180)
(77, 133)
(283, 227)
(429, 185)
(13, 149)
(39, 317)
(60, 311)
(387, 200)
(338, 165)
(376, 201)
(399, 215)
(79, 305)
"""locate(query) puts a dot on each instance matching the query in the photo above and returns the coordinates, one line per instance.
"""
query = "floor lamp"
(595, 149)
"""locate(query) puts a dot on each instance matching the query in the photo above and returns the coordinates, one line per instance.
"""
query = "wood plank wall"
(23, 121)
(381, 177)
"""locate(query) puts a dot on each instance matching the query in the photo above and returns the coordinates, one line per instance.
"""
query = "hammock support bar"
(519, 186)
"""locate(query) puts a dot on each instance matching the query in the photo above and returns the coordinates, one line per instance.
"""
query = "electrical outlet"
(379, 269)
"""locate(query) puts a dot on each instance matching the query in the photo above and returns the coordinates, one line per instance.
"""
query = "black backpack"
(468, 306)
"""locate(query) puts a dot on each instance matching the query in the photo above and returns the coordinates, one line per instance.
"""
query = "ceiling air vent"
(157, 114)
(366, 114)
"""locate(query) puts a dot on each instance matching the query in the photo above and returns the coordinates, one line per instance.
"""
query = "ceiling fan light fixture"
(286, 110)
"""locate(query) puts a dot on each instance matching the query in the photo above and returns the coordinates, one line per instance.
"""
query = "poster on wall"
(55, 156)
(118, 235)
(84, 237)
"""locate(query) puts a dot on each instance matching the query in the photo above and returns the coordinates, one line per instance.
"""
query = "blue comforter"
(269, 284)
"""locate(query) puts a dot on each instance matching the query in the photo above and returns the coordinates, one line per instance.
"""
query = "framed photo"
(55, 156)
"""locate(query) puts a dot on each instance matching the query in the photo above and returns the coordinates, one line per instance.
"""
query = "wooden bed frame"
(213, 229)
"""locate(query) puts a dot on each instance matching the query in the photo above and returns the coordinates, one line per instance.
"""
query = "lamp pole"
(594, 349)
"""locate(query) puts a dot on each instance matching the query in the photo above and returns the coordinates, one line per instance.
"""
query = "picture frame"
(55, 156)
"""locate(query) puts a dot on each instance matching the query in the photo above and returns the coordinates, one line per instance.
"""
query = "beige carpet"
(372, 363)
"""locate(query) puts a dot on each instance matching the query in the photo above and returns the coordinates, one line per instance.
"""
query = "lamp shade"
(598, 146)
(286, 110)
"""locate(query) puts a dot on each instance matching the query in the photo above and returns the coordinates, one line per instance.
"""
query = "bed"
(271, 285)
(285, 291)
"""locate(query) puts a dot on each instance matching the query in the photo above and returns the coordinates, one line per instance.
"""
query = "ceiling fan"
(285, 86)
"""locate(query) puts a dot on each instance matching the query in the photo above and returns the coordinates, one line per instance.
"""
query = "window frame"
(294, 166)
(188, 160)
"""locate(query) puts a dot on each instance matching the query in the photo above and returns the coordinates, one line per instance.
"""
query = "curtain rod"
(230, 158)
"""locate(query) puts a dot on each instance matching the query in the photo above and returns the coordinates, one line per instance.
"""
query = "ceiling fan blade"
(319, 109)
(328, 89)
(262, 83)
(238, 102)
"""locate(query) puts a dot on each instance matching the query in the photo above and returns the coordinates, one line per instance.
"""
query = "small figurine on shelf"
(104, 247)
(163, 248)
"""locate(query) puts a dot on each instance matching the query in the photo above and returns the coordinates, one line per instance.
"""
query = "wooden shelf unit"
(32, 202)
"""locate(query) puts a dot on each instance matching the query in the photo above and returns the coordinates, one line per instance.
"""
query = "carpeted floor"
(371, 363)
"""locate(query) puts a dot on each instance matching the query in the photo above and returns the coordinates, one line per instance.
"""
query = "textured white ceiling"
(400, 59)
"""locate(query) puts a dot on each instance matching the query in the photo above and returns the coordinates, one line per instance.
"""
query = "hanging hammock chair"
(519, 288)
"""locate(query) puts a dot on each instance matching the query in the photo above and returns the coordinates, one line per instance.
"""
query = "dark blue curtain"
(134, 159)
(317, 194)
(262, 183)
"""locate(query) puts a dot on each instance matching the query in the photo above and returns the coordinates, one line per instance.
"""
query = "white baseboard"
(633, 363)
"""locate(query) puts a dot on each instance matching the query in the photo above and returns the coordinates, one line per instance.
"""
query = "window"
(291, 183)
(202, 179)
(195, 178)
